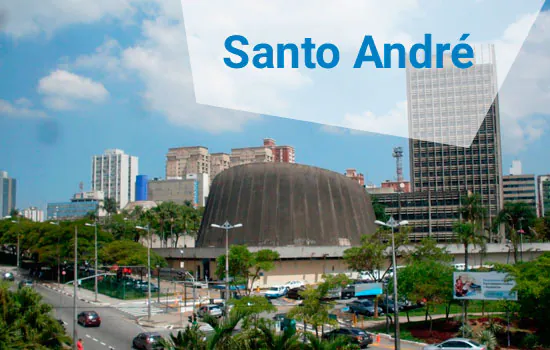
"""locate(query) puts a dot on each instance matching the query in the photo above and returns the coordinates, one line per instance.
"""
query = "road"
(117, 328)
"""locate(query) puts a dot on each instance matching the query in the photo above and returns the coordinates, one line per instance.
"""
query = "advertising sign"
(366, 289)
(483, 286)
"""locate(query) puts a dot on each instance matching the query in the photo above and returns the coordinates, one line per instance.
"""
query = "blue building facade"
(71, 210)
(141, 187)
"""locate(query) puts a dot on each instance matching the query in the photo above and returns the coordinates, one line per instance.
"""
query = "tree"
(110, 205)
(427, 250)
(288, 340)
(245, 266)
(314, 310)
(426, 279)
(518, 218)
(129, 253)
(533, 287)
(26, 323)
(467, 236)
(374, 250)
(14, 213)
(339, 343)
(379, 209)
(542, 228)
(192, 338)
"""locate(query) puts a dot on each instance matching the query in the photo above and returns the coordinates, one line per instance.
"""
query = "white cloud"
(20, 109)
(396, 117)
(161, 61)
(32, 17)
(525, 96)
(105, 58)
(333, 129)
(63, 90)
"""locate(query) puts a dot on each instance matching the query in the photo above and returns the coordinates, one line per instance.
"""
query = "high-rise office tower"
(543, 189)
(8, 189)
(114, 173)
(446, 106)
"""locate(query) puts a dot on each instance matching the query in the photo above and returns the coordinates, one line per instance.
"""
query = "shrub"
(530, 341)
(488, 338)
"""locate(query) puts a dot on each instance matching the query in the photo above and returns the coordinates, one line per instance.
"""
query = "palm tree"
(192, 338)
(222, 338)
(14, 213)
(518, 218)
(467, 236)
(288, 340)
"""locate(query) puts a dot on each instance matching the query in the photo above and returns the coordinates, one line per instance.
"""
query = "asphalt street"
(117, 328)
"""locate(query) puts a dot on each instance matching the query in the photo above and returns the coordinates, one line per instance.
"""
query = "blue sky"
(76, 82)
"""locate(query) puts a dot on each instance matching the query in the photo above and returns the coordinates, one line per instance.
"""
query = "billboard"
(366, 289)
(483, 286)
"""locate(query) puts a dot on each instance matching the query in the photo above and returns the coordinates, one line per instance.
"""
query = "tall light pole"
(393, 224)
(226, 226)
(58, 256)
(75, 283)
(95, 259)
(148, 229)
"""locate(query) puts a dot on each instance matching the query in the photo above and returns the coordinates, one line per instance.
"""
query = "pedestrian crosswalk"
(137, 309)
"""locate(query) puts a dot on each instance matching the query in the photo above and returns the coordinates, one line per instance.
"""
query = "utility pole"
(75, 283)
(226, 226)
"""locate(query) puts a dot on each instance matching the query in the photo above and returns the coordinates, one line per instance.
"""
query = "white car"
(294, 284)
(276, 292)
(457, 344)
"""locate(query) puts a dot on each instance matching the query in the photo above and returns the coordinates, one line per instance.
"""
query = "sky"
(78, 77)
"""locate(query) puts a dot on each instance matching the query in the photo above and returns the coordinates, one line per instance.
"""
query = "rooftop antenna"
(398, 155)
(81, 186)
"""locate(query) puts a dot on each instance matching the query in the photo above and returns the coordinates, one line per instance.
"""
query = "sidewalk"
(83, 294)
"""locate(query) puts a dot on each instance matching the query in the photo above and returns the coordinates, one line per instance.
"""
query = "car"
(357, 336)
(457, 344)
(390, 306)
(147, 341)
(142, 285)
(212, 310)
(8, 276)
(89, 318)
(348, 292)
(276, 292)
(294, 284)
(294, 293)
(364, 307)
(25, 283)
(62, 323)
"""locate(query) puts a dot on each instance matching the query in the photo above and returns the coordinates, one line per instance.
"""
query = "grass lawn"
(474, 306)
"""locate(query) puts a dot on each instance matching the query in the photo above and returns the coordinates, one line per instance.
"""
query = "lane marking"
(102, 343)
(94, 339)
(88, 336)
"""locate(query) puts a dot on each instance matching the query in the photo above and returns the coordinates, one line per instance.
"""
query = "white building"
(114, 173)
(33, 214)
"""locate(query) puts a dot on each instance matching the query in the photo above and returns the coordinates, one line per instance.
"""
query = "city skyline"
(69, 99)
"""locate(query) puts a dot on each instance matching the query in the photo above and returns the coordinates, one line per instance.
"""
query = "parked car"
(25, 283)
(62, 323)
(212, 310)
(89, 318)
(357, 336)
(294, 284)
(142, 285)
(276, 292)
(147, 341)
(457, 344)
(8, 276)
(390, 306)
(364, 307)
(348, 292)
(294, 293)
(335, 293)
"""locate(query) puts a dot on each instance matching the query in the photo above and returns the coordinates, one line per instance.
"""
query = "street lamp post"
(226, 226)
(393, 224)
(148, 229)
(95, 266)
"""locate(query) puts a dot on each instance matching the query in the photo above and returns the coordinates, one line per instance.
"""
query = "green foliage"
(379, 209)
(110, 206)
(542, 228)
(530, 341)
(516, 217)
(25, 322)
(245, 266)
(427, 250)
(339, 343)
(374, 250)
(488, 338)
(533, 286)
(129, 253)
(192, 338)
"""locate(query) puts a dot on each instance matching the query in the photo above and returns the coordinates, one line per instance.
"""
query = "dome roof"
(282, 204)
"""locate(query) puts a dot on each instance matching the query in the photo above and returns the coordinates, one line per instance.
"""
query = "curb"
(70, 295)
(389, 337)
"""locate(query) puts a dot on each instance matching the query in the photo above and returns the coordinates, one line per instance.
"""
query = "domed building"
(286, 205)
(307, 214)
